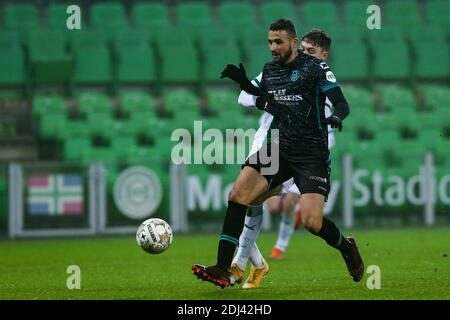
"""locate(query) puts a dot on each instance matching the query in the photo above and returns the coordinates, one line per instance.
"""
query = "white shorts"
(289, 186)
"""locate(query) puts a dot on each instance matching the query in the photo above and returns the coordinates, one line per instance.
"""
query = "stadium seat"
(402, 13)
(391, 61)
(435, 96)
(317, 13)
(99, 124)
(122, 146)
(237, 15)
(256, 57)
(92, 58)
(397, 97)
(355, 12)
(73, 148)
(103, 154)
(109, 17)
(150, 16)
(217, 57)
(50, 62)
(343, 34)
(222, 100)
(358, 97)
(272, 10)
(349, 61)
(52, 125)
(135, 100)
(136, 65)
(194, 15)
(425, 33)
(175, 47)
(48, 104)
(57, 17)
(386, 35)
(436, 12)
(12, 60)
(432, 60)
(178, 99)
(20, 17)
(74, 129)
(429, 138)
(93, 102)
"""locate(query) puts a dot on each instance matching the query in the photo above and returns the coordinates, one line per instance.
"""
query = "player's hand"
(239, 75)
(263, 101)
(334, 121)
(234, 73)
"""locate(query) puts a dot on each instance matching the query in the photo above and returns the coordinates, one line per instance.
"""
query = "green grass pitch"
(414, 264)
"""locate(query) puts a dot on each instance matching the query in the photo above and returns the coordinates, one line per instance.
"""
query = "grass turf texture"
(414, 265)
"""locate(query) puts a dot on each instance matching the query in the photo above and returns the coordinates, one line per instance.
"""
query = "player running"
(293, 89)
(316, 43)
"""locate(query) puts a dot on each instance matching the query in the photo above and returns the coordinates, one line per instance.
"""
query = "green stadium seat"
(432, 60)
(150, 16)
(93, 102)
(403, 13)
(435, 96)
(48, 104)
(135, 100)
(349, 61)
(237, 15)
(194, 15)
(358, 97)
(425, 33)
(217, 57)
(397, 97)
(387, 34)
(345, 34)
(50, 62)
(20, 17)
(57, 17)
(87, 38)
(109, 17)
(273, 10)
(317, 13)
(391, 61)
(221, 99)
(178, 99)
(74, 129)
(257, 56)
(429, 138)
(102, 154)
(122, 146)
(100, 124)
(93, 66)
(51, 126)
(355, 12)
(136, 65)
(437, 13)
(12, 60)
(144, 123)
(74, 148)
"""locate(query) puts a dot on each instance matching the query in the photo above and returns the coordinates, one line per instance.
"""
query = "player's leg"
(259, 269)
(252, 227)
(312, 202)
(313, 220)
(287, 224)
(274, 204)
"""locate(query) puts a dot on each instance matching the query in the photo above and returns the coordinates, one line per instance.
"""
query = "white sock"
(285, 231)
(252, 227)
(256, 257)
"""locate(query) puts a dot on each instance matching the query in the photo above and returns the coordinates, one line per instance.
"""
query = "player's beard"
(283, 58)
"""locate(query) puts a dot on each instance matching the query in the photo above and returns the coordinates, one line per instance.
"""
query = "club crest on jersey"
(295, 75)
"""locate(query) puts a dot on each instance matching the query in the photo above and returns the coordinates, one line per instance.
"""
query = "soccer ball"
(154, 235)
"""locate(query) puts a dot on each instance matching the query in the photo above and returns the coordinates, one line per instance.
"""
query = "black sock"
(232, 229)
(331, 234)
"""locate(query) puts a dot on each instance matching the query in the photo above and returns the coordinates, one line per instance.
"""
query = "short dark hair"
(318, 38)
(283, 24)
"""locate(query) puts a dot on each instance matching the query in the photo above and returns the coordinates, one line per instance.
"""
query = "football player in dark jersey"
(293, 89)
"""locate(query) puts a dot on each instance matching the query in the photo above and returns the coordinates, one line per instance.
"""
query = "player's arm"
(246, 99)
(239, 76)
(328, 84)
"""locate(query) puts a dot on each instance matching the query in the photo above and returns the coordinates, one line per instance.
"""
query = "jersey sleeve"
(246, 99)
(327, 79)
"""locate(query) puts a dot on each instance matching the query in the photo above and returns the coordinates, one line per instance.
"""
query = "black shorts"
(310, 176)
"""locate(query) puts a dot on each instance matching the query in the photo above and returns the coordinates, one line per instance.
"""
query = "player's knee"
(312, 222)
(238, 196)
